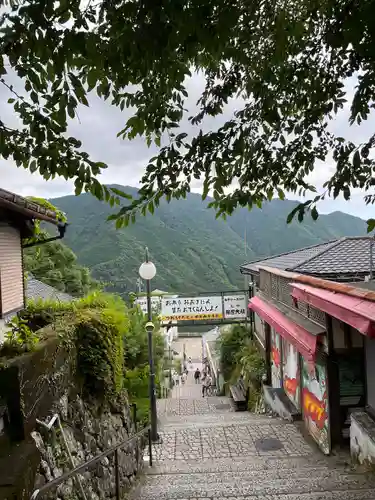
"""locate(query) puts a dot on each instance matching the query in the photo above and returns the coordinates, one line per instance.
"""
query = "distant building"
(17, 218)
(37, 290)
(313, 315)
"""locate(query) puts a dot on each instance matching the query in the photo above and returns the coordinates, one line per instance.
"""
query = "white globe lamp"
(147, 271)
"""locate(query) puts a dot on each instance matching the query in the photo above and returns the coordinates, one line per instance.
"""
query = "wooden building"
(17, 219)
(314, 319)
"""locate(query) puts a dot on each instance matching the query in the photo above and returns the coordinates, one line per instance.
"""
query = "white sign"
(235, 306)
(191, 308)
(155, 304)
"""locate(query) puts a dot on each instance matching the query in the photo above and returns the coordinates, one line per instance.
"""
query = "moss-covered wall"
(29, 384)
(38, 384)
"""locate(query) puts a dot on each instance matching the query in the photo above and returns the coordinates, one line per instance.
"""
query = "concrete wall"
(362, 439)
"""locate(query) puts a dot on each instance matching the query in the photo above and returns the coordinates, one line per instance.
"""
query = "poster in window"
(275, 359)
(291, 378)
(315, 403)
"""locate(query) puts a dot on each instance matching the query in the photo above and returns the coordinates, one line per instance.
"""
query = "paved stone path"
(208, 451)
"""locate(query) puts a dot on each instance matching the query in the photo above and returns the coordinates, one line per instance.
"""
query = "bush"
(109, 338)
(230, 343)
(99, 345)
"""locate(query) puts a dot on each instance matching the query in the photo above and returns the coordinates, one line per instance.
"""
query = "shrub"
(230, 343)
(239, 356)
(107, 336)
(100, 355)
(19, 338)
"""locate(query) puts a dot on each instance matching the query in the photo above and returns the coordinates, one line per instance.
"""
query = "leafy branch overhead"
(287, 61)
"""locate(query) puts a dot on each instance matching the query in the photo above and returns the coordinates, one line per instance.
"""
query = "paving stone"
(210, 452)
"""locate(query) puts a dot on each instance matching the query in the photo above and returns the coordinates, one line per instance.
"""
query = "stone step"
(317, 461)
(265, 484)
(217, 419)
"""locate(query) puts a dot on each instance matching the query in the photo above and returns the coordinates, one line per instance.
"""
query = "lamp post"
(169, 326)
(147, 271)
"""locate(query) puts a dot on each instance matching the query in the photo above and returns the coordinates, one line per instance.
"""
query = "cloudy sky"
(97, 128)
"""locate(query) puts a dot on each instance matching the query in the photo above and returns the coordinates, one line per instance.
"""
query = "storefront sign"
(155, 304)
(235, 306)
(227, 306)
(191, 308)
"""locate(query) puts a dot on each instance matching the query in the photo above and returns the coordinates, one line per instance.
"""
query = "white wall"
(2, 330)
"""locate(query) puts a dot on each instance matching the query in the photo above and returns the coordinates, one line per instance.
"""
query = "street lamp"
(147, 271)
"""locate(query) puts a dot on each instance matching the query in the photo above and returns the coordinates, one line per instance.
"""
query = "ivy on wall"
(109, 339)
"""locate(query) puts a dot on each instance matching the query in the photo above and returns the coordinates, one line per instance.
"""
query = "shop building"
(314, 318)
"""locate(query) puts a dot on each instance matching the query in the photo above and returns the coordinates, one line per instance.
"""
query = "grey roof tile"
(288, 260)
(348, 256)
(344, 256)
(36, 290)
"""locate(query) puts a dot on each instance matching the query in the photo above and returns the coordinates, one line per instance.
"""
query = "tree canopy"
(55, 264)
(288, 62)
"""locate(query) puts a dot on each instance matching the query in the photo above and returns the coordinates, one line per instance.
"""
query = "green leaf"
(78, 184)
(33, 167)
(121, 193)
(65, 16)
(281, 194)
(92, 79)
(292, 214)
(370, 225)
(151, 208)
(314, 213)
(357, 160)
(71, 111)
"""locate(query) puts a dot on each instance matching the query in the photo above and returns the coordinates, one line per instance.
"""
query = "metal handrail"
(80, 468)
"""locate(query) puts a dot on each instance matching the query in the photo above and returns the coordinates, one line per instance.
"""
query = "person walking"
(197, 376)
(206, 384)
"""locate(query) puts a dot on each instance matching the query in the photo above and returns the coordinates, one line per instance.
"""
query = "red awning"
(304, 341)
(356, 312)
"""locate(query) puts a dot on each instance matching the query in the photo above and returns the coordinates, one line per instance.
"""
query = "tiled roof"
(288, 260)
(347, 256)
(36, 290)
(29, 208)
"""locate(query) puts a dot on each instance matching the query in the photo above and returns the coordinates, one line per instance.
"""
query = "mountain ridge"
(193, 251)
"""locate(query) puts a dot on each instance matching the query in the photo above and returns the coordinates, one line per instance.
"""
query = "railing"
(86, 465)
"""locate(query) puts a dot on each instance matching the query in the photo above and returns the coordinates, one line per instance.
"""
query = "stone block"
(278, 401)
(31, 383)
(362, 439)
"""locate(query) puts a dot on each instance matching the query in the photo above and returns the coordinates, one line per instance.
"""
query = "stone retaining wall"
(34, 387)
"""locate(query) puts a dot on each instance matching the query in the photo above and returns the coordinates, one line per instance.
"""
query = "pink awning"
(356, 312)
(303, 340)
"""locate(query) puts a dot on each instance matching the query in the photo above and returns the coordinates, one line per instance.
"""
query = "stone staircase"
(210, 452)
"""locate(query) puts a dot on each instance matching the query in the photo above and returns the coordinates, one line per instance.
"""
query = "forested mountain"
(193, 252)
